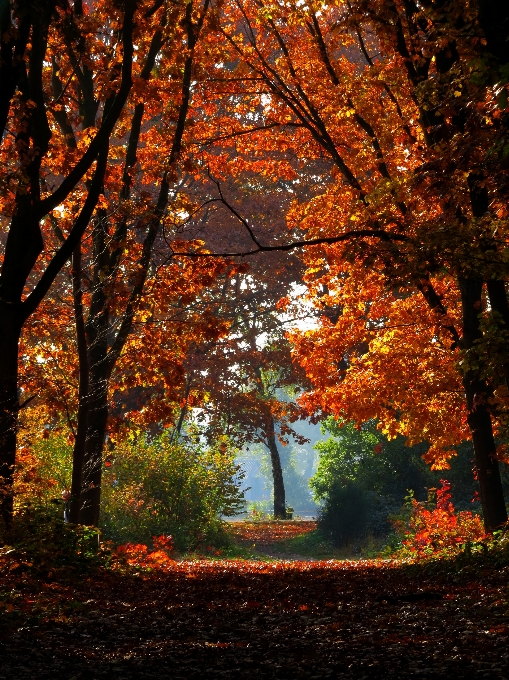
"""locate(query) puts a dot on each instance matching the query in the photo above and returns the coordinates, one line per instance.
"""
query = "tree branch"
(360, 233)
(104, 132)
(66, 249)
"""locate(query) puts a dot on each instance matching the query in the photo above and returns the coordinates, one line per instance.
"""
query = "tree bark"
(9, 338)
(97, 421)
(277, 472)
(479, 417)
(98, 374)
(78, 455)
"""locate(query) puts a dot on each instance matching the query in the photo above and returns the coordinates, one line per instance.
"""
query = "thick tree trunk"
(277, 473)
(479, 417)
(9, 339)
(78, 459)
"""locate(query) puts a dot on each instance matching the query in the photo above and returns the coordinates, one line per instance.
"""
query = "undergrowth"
(40, 543)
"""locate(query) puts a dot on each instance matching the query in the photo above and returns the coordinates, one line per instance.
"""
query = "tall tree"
(108, 325)
(41, 173)
(418, 190)
(110, 270)
(243, 374)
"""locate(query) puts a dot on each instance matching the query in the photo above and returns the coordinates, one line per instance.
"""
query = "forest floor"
(276, 540)
(282, 618)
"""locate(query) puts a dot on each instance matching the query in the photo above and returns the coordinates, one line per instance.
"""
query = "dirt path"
(274, 620)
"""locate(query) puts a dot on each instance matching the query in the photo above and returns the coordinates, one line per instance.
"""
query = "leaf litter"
(233, 618)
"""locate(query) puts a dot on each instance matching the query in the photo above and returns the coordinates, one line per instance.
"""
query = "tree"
(111, 268)
(405, 221)
(241, 373)
(415, 191)
(41, 173)
(103, 335)
(234, 376)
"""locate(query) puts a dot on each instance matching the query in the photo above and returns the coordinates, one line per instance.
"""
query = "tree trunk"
(479, 417)
(97, 421)
(78, 455)
(98, 375)
(277, 473)
(93, 459)
(9, 406)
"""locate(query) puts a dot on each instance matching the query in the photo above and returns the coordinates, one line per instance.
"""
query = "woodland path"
(248, 619)
(268, 539)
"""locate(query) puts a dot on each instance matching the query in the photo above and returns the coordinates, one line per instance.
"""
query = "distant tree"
(244, 373)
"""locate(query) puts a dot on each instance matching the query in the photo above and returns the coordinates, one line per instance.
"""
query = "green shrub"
(151, 488)
(361, 472)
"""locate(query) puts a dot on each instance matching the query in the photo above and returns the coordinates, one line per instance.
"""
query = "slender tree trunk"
(498, 299)
(78, 456)
(175, 435)
(479, 417)
(93, 459)
(97, 421)
(98, 375)
(9, 339)
(476, 390)
(277, 473)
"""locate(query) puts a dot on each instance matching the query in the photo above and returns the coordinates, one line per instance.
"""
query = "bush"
(362, 461)
(154, 488)
(345, 514)
(434, 528)
(41, 542)
(361, 479)
(150, 488)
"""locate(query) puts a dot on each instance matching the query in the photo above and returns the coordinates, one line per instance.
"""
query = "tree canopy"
(174, 175)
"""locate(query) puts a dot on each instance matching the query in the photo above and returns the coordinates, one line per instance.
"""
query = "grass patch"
(232, 551)
(312, 544)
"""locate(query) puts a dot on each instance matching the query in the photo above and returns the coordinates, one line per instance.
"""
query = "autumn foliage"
(138, 555)
(437, 531)
(198, 166)
(206, 208)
